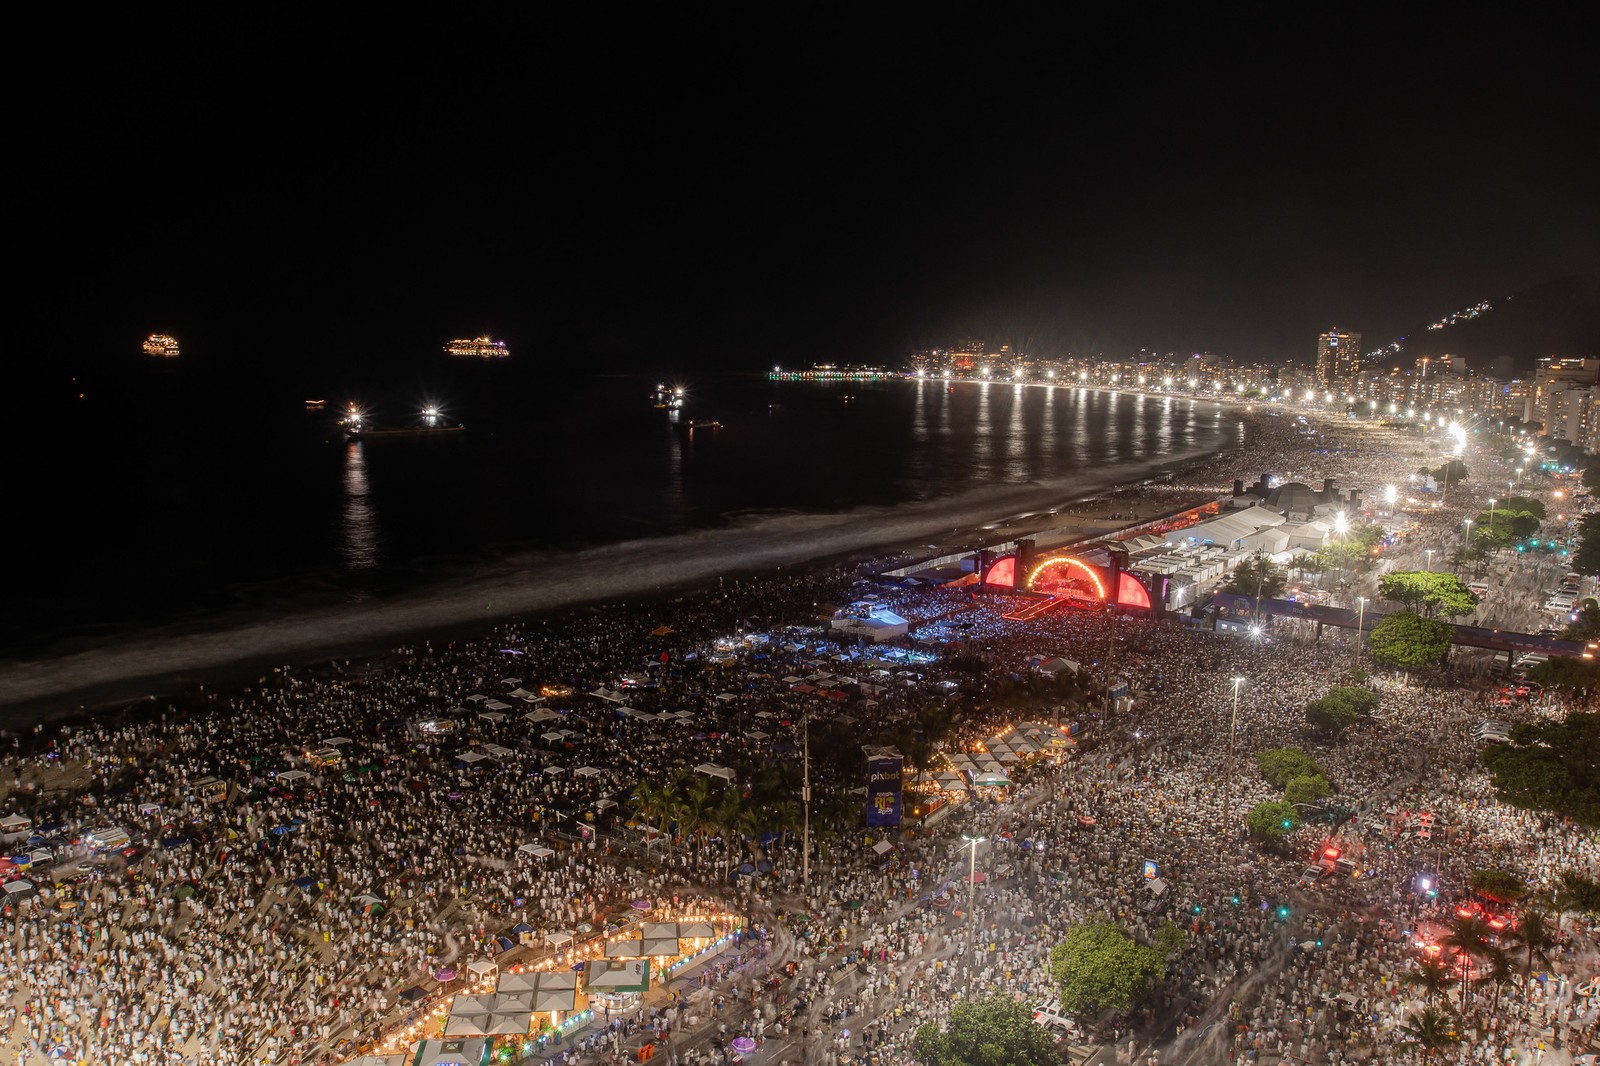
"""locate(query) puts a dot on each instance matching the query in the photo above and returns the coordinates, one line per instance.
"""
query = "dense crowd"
(317, 905)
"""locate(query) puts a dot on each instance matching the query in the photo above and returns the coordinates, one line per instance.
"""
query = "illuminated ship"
(669, 398)
(481, 347)
(161, 346)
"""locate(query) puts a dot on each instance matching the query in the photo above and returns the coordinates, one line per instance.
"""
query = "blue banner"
(884, 776)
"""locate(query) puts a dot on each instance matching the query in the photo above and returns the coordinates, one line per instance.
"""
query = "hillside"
(1560, 317)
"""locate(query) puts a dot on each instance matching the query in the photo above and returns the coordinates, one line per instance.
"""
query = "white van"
(106, 838)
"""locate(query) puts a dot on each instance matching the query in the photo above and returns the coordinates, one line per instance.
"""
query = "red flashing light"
(1330, 853)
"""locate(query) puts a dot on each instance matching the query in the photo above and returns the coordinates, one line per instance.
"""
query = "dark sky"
(727, 193)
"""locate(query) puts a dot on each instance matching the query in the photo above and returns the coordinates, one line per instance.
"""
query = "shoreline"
(221, 651)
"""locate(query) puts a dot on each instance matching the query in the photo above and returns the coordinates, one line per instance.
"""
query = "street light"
(1361, 625)
(1491, 516)
(972, 917)
(1467, 536)
(1227, 787)
(1427, 557)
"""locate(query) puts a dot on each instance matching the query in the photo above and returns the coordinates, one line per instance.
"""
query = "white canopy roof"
(487, 1016)
(492, 716)
(497, 751)
(498, 705)
(334, 742)
(538, 851)
(713, 770)
(588, 771)
(471, 757)
(293, 775)
(543, 714)
(558, 939)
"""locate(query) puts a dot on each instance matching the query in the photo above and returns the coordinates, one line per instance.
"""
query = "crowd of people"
(308, 905)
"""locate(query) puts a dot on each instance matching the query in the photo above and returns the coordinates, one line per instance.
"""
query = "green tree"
(1498, 885)
(1586, 560)
(1429, 1031)
(1578, 894)
(993, 1031)
(1591, 476)
(1582, 675)
(1340, 708)
(1409, 642)
(1433, 591)
(1306, 789)
(1257, 578)
(1099, 967)
(1273, 820)
(1537, 936)
(1431, 976)
(1468, 938)
(1280, 765)
(1550, 767)
(1587, 625)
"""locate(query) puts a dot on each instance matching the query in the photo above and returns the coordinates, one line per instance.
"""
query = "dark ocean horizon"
(190, 498)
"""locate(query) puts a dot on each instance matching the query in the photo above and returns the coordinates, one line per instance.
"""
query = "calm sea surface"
(176, 498)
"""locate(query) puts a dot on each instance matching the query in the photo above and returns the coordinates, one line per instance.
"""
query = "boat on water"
(357, 427)
(478, 347)
(699, 423)
(161, 346)
(669, 397)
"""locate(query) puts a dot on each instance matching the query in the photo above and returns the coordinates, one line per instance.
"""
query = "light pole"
(1361, 625)
(972, 916)
(805, 804)
(1466, 538)
(1227, 785)
(1491, 516)
(1427, 557)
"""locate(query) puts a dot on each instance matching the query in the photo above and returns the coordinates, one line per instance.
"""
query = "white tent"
(542, 990)
(476, 697)
(588, 771)
(334, 742)
(538, 851)
(553, 769)
(482, 970)
(470, 757)
(497, 751)
(511, 680)
(519, 692)
(492, 716)
(487, 1016)
(633, 973)
(696, 931)
(378, 1060)
(658, 938)
(552, 737)
(713, 770)
(498, 705)
(293, 775)
(624, 949)
(558, 939)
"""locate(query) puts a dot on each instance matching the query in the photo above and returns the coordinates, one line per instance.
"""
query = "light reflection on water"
(358, 528)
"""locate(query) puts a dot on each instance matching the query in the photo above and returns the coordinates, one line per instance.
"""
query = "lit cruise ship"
(482, 347)
(161, 345)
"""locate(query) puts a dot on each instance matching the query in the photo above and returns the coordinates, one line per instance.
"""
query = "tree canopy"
(1256, 577)
(993, 1031)
(1272, 820)
(1562, 672)
(1550, 766)
(1099, 967)
(1497, 885)
(1306, 789)
(1408, 641)
(1342, 707)
(1431, 590)
(1586, 560)
(1281, 765)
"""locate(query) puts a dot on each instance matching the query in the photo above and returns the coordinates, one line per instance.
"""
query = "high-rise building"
(1562, 395)
(1338, 360)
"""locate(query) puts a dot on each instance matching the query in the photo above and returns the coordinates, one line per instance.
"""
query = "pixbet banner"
(884, 776)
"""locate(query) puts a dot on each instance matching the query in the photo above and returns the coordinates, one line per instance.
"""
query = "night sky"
(722, 194)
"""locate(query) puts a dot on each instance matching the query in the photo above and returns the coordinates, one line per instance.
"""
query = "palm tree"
(1499, 971)
(1428, 1030)
(1537, 936)
(1432, 976)
(1469, 939)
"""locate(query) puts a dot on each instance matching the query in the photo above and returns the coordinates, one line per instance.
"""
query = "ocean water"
(186, 499)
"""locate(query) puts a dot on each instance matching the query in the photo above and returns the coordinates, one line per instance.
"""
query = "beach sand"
(227, 649)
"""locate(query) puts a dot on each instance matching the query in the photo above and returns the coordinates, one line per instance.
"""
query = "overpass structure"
(1506, 640)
